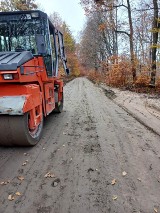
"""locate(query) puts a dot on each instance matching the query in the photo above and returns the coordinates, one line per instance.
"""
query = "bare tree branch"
(119, 31)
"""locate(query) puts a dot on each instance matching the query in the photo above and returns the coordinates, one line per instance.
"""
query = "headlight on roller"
(8, 76)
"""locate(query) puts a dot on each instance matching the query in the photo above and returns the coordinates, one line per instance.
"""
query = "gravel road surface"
(93, 158)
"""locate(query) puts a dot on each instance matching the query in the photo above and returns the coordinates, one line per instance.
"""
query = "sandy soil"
(100, 160)
(144, 107)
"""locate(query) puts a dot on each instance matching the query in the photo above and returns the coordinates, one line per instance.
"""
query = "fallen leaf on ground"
(49, 174)
(20, 178)
(124, 173)
(11, 197)
(18, 193)
(113, 182)
(155, 210)
(5, 182)
(114, 197)
(46, 175)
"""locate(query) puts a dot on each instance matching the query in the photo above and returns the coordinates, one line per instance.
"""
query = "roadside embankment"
(144, 107)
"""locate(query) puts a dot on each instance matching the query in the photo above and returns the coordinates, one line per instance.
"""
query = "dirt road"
(84, 148)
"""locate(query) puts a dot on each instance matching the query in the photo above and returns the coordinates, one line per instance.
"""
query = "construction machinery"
(30, 84)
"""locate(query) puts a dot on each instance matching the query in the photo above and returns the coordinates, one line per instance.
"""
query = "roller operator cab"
(30, 84)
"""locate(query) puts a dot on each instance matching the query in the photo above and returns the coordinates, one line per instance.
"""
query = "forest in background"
(119, 44)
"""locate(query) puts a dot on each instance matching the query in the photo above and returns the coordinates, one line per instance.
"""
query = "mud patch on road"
(44, 209)
(110, 93)
(90, 148)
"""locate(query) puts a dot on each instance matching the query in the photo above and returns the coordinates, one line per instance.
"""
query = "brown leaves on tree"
(102, 27)
(14, 5)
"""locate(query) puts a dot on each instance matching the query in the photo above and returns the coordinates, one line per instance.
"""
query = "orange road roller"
(31, 49)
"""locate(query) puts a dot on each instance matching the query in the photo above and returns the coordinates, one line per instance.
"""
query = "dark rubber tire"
(14, 131)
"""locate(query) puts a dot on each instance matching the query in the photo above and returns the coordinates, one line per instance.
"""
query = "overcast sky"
(69, 10)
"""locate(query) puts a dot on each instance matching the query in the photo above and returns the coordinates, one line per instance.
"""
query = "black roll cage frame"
(59, 50)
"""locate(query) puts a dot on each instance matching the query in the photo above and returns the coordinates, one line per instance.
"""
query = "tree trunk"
(131, 41)
(154, 41)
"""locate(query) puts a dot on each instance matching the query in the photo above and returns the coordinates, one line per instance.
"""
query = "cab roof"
(21, 12)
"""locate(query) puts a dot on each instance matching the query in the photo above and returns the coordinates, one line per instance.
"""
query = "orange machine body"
(30, 83)
(36, 88)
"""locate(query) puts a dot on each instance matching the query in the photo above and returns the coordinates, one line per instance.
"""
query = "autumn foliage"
(120, 73)
(70, 49)
(120, 43)
(117, 72)
(15, 5)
